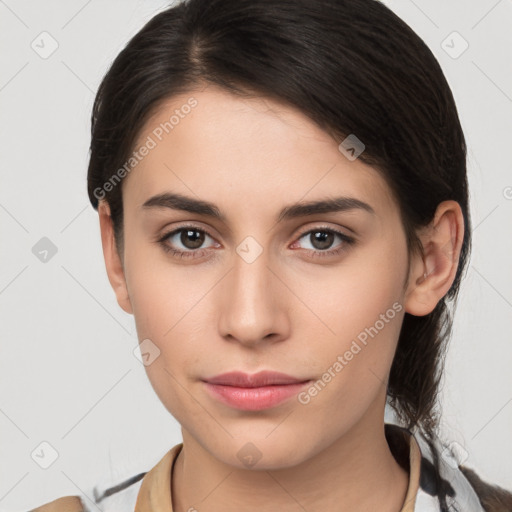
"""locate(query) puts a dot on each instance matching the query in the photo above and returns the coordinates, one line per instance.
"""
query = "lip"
(255, 392)
(255, 380)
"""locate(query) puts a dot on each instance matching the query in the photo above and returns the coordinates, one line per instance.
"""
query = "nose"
(253, 306)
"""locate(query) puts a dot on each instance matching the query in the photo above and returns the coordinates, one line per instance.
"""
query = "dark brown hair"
(353, 67)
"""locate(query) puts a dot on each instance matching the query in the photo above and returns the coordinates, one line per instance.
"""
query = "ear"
(431, 274)
(115, 270)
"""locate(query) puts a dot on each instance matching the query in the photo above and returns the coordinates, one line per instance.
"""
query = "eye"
(185, 242)
(322, 239)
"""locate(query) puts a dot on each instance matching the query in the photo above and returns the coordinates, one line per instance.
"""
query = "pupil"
(192, 239)
(322, 239)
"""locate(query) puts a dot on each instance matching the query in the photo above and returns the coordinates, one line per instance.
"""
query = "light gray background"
(67, 369)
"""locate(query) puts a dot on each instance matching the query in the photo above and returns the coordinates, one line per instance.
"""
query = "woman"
(283, 203)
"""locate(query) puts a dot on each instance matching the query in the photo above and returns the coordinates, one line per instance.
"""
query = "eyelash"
(193, 253)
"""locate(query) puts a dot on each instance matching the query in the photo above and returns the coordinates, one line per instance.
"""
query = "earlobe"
(432, 273)
(114, 266)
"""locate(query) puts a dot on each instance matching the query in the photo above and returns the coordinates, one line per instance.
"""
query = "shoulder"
(64, 504)
(113, 493)
(443, 475)
(120, 496)
(492, 497)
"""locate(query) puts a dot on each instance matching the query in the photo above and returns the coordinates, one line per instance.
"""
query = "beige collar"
(155, 489)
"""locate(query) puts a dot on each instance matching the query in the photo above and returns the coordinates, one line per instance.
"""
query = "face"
(317, 294)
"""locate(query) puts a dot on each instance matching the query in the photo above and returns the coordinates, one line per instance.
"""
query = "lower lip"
(254, 399)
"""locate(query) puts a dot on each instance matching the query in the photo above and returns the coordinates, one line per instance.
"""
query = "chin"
(260, 453)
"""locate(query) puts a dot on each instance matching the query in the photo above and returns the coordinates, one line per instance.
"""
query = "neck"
(355, 473)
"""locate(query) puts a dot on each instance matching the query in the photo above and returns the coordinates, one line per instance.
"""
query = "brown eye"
(192, 238)
(186, 242)
(321, 239)
(322, 242)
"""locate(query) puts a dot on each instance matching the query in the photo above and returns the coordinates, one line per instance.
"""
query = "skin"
(288, 310)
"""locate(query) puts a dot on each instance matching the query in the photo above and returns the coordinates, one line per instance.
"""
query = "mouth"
(255, 392)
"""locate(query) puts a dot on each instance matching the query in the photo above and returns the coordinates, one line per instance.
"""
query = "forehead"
(222, 147)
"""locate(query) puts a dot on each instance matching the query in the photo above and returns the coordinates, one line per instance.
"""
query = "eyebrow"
(302, 209)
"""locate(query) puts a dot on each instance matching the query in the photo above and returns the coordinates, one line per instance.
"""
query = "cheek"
(361, 303)
(171, 308)
(167, 316)
(353, 367)
(352, 296)
(163, 294)
(170, 312)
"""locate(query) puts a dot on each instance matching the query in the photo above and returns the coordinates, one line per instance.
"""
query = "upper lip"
(245, 380)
